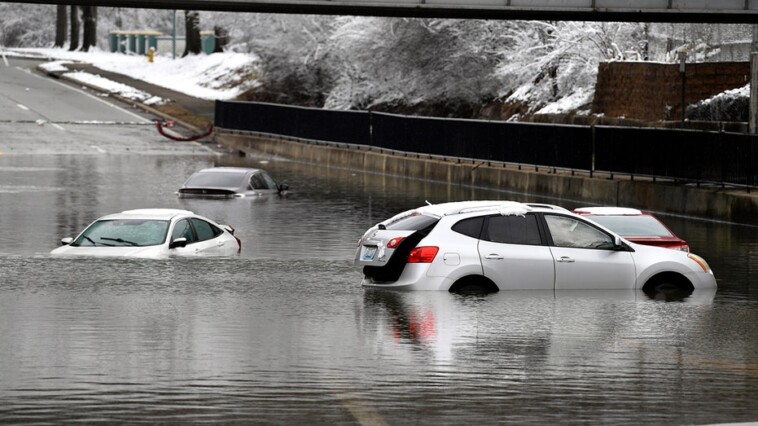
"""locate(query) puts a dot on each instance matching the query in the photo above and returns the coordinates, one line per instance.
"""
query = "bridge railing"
(683, 155)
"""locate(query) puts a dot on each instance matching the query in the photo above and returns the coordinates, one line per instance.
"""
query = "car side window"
(513, 230)
(205, 231)
(471, 227)
(183, 229)
(572, 232)
(258, 182)
(270, 183)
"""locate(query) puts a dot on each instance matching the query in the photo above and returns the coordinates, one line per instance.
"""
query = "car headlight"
(700, 261)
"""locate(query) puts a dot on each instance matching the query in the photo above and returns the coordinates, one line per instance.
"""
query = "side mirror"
(283, 188)
(619, 245)
(66, 241)
(179, 242)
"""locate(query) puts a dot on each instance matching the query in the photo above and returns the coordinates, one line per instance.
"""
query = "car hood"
(152, 252)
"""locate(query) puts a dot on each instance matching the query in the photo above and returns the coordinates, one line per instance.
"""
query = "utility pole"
(173, 38)
(683, 74)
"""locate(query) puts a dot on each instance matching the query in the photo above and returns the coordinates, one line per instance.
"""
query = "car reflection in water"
(531, 325)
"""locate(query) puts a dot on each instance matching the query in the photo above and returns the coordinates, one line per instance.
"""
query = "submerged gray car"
(230, 182)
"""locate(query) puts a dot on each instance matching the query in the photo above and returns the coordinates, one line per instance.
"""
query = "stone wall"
(653, 91)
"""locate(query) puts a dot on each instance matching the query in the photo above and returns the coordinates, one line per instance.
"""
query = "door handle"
(565, 259)
(494, 256)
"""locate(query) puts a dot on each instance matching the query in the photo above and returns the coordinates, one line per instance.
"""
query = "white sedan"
(504, 245)
(152, 233)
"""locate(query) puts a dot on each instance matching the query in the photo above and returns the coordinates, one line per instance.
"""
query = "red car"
(635, 225)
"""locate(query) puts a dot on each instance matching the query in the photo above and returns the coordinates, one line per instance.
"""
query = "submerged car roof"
(165, 214)
(609, 211)
(228, 169)
(462, 207)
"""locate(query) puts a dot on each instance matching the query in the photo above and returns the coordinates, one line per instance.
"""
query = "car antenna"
(428, 203)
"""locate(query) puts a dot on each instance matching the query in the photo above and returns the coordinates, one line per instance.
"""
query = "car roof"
(494, 206)
(160, 214)
(609, 211)
(241, 170)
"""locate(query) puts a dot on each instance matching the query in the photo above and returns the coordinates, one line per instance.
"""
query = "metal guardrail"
(705, 157)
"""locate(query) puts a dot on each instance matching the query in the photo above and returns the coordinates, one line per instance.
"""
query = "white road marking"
(98, 149)
(25, 108)
(5, 60)
(58, 126)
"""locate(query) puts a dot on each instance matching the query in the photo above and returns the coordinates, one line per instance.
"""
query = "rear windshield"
(216, 180)
(413, 222)
(633, 226)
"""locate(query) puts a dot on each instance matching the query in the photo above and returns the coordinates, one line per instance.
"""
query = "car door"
(209, 239)
(585, 257)
(202, 238)
(513, 255)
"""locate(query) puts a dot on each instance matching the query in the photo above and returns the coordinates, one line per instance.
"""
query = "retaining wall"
(736, 206)
(653, 91)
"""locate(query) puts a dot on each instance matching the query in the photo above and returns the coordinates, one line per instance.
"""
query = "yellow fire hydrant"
(150, 54)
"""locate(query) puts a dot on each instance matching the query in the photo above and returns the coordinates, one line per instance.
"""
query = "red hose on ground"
(159, 126)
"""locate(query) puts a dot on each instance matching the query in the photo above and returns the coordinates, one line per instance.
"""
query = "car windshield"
(124, 232)
(414, 222)
(216, 180)
(633, 226)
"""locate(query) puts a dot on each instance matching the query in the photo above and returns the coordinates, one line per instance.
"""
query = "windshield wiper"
(90, 240)
(119, 240)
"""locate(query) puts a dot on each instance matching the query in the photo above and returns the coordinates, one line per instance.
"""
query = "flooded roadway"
(283, 333)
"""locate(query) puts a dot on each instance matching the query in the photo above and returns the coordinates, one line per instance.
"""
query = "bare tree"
(61, 25)
(192, 43)
(74, 28)
(89, 18)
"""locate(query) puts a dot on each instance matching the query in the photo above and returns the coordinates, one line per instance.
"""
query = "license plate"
(368, 252)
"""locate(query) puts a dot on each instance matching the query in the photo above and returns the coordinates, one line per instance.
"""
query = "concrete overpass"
(697, 11)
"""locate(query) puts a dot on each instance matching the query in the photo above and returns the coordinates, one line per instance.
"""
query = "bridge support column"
(753, 92)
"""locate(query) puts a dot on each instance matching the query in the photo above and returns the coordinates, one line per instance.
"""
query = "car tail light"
(423, 254)
(393, 243)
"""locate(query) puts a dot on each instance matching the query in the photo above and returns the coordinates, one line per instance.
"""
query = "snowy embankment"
(217, 76)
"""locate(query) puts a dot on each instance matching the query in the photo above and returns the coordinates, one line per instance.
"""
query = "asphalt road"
(43, 115)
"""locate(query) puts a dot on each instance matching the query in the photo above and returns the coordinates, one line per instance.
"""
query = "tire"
(668, 287)
(474, 286)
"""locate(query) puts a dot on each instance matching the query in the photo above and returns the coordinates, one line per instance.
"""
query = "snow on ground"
(217, 76)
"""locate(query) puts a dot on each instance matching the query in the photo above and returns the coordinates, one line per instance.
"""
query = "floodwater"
(283, 333)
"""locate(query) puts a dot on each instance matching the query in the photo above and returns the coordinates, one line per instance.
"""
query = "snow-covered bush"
(550, 61)
(26, 25)
(408, 61)
(731, 105)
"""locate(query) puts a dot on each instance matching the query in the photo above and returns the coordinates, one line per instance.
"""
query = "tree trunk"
(192, 43)
(74, 29)
(61, 25)
(89, 18)
(222, 39)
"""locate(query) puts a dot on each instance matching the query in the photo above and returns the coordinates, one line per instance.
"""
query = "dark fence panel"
(524, 143)
(678, 154)
(307, 123)
(672, 153)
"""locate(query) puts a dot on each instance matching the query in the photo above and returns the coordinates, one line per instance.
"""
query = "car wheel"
(474, 285)
(668, 287)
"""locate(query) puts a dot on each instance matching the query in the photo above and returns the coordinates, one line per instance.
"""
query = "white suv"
(505, 245)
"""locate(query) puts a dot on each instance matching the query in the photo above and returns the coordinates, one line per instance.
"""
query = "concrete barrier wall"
(736, 206)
